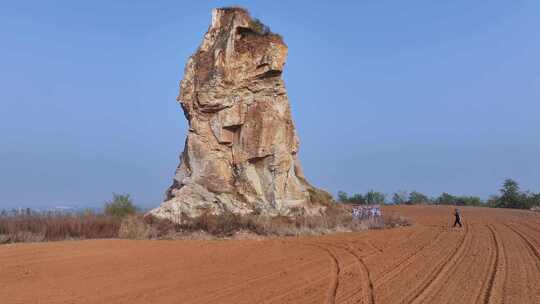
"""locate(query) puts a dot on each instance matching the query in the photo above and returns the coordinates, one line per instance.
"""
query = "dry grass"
(336, 218)
(394, 221)
(58, 227)
(133, 227)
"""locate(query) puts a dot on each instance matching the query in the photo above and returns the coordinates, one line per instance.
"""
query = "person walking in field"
(457, 214)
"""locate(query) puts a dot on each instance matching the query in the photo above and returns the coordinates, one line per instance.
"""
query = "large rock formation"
(241, 150)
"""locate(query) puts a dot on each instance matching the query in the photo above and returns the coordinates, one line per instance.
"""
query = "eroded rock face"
(241, 150)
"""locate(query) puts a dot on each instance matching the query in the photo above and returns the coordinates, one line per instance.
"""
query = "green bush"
(258, 27)
(448, 199)
(371, 197)
(470, 200)
(534, 200)
(120, 206)
(400, 197)
(418, 198)
(374, 197)
(357, 199)
(353, 199)
(342, 197)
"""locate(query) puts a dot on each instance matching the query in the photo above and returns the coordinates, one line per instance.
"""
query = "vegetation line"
(510, 197)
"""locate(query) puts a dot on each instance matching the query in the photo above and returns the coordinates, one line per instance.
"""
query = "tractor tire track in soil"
(494, 259)
(236, 287)
(523, 272)
(408, 260)
(460, 282)
(336, 271)
(442, 269)
(533, 249)
(363, 293)
(369, 295)
(357, 277)
(497, 276)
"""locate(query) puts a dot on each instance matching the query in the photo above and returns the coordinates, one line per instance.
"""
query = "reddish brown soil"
(495, 258)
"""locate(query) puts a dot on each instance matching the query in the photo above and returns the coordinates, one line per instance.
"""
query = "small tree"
(120, 206)
(512, 197)
(400, 197)
(471, 200)
(493, 201)
(446, 199)
(342, 197)
(510, 194)
(374, 197)
(353, 199)
(418, 198)
(357, 199)
(534, 200)
(258, 27)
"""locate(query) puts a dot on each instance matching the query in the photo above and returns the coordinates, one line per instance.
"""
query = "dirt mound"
(495, 258)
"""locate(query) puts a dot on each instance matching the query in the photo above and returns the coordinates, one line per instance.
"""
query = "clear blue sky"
(391, 95)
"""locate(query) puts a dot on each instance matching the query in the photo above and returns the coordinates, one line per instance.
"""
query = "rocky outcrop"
(241, 150)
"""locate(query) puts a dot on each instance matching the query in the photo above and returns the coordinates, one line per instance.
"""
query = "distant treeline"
(511, 196)
(120, 206)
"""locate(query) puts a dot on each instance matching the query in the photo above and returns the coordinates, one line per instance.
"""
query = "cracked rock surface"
(240, 153)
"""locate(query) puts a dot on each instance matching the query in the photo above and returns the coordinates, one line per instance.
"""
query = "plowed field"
(494, 258)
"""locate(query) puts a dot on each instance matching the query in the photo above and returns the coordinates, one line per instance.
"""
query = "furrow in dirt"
(494, 292)
(467, 277)
(336, 270)
(430, 283)
(522, 275)
(406, 261)
(238, 286)
(359, 277)
(367, 286)
(494, 260)
(533, 249)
